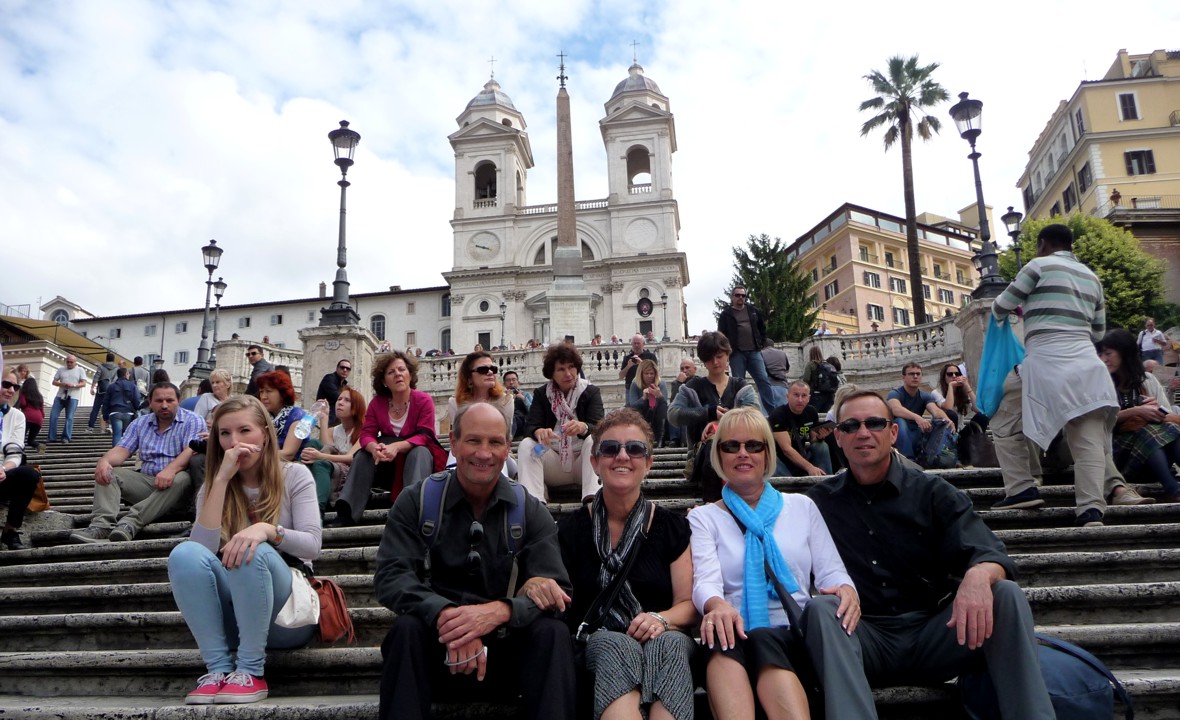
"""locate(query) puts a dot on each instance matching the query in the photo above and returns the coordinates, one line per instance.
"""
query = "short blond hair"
(746, 418)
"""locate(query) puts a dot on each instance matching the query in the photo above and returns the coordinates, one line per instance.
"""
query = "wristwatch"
(280, 533)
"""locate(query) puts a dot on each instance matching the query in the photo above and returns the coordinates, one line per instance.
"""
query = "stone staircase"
(91, 631)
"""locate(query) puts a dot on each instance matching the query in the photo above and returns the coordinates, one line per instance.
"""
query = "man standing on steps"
(630, 363)
(261, 365)
(935, 583)
(1066, 388)
(743, 326)
(162, 439)
(104, 375)
(69, 382)
(462, 630)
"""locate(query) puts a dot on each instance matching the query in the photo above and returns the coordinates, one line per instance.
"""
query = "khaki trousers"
(535, 474)
(140, 493)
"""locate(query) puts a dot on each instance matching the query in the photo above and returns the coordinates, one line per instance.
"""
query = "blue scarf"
(760, 544)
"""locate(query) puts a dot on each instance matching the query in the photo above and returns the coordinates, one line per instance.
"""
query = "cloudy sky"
(132, 132)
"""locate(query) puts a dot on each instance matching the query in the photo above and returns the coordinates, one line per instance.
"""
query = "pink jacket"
(420, 416)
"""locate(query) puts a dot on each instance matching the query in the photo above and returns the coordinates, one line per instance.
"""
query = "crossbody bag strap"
(790, 605)
(607, 596)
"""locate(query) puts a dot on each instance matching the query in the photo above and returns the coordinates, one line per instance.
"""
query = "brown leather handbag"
(335, 622)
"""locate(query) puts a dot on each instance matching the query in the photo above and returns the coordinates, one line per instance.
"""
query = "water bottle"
(308, 421)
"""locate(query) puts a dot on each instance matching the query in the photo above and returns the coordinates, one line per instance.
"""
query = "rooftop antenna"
(562, 76)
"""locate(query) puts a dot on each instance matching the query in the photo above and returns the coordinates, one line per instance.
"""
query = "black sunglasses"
(875, 424)
(954, 374)
(635, 448)
(474, 537)
(344, 367)
(730, 447)
(9, 385)
(740, 295)
(486, 369)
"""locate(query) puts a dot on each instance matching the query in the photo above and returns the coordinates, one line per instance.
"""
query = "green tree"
(1132, 280)
(902, 96)
(778, 287)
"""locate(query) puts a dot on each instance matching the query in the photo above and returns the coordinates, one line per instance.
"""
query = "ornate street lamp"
(1011, 220)
(967, 115)
(211, 256)
(664, 304)
(503, 311)
(341, 312)
(218, 292)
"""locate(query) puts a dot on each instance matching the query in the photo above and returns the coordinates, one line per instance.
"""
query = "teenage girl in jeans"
(229, 580)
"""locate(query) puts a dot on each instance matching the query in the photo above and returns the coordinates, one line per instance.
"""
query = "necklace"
(397, 409)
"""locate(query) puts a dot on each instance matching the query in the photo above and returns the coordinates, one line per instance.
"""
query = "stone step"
(1090, 567)
(1108, 537)
(1111, 603)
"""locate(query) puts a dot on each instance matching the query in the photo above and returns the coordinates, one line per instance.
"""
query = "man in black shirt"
(631, 362)
(458, 620)
(743, 325)
(332, 384)
(801, 450)
(934, 582)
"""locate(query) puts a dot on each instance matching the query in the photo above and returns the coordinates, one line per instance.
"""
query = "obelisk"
(569, 303)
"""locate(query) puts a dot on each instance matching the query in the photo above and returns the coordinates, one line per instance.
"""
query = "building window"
(61, 317)
(832, 262)
(409, 308)
(872, 279)
(960, 277)
(946, 296)
(1085, 178)
(444, 340)
(149, 330)
(150, 359)
(411, 339)
(875, 312)
(814, 301)
(1029, 197)
(888, 259)
(276, 319)
(485, 339)
(377, 326)
(925, 291)
(244, 322)
(831, 289)
(181, 327)
(115, 333)
(937, 270)
(1127, 108)
(180, 357)
(311, 315)
(814, 275)
(484, 305)
(1055, 210)
(1080, 124)
(864, 254)
(1069, 197)
(897, 285)
(901, 316)
(445, 309)
(1140, 162)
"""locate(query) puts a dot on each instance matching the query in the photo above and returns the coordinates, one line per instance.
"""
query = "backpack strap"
(514, 531)
(1076, 652)
(431, 496)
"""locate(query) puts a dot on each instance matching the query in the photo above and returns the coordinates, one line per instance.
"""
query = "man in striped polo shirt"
(162, 440)
(1065, 386)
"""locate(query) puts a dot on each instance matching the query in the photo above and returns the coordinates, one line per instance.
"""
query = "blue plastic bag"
(1001, 352)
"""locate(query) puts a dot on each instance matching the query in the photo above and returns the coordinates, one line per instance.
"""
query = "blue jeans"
(96, 409)
(818, 454)
(234, 608)
(740, 362)
(71, 406)
(119, 422)
(1157, 355)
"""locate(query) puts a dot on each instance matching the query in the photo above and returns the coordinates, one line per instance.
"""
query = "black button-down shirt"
(908, 540)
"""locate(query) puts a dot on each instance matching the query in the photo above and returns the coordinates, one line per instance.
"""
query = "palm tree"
(901, 98)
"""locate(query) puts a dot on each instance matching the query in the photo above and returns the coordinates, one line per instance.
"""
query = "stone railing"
(869, 350)
(231, 356)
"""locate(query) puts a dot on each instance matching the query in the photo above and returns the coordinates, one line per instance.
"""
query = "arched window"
(444, 339)
(61, 317)
(485, 181)
(377, 326)
(445, 309)
(638, 169)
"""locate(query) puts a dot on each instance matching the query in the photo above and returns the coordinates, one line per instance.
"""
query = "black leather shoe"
(343, 516)
(11, 540)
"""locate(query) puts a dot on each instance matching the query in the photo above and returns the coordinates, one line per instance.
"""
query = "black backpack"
(826, 378)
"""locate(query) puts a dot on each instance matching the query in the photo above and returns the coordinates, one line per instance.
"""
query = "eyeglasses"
(9, 385)
(474, 537)
(486, 369)
(875, 424)
(730, 447)
(914, 374)
(251, 354)
(345, 368)
(635, 448)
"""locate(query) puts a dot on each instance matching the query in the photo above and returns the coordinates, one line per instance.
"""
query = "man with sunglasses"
(743, 325)
(332, 384)
(935, 583)
(261, 365)
(461, 631)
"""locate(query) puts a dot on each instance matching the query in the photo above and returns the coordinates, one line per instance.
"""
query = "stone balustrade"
(231, 356)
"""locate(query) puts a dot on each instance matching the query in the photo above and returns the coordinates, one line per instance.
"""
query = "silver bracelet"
(661, 618)
(456, 663)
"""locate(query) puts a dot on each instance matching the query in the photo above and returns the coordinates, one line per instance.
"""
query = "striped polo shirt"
(157, 449)
(1059, 294)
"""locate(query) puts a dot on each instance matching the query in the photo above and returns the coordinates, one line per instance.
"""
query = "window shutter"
(1130, 165)
(1149, 161)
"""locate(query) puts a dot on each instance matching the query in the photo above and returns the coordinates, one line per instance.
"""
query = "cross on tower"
(492, 62)
(562, 77)
(634, 51)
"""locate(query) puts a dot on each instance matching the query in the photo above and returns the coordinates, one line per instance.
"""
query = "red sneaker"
(207, 688)
(240, 687)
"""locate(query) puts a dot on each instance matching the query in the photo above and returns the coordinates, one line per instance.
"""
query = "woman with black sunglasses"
(954, 393)
(479, 381)
(636, 641)
(734, 541)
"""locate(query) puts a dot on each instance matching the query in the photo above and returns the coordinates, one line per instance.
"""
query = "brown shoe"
(1129, 497)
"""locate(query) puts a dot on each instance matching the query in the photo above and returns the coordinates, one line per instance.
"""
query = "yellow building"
(858, 265)
(1113, 150)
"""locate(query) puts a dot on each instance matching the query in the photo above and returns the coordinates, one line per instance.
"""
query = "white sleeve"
(706, 567)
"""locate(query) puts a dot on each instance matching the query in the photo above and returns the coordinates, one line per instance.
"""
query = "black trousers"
(535, 664)
(17, 490)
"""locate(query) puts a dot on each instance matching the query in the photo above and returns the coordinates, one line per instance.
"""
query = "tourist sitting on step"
(338, 444)
(122, 404)
(398, 444)
(638, 640)
(799, 443)
(955, 395)
(229, 578)
(754, 529)
(467, 595)
(220, 384)
(1145, 434)
(935, 583)
(162, 439)
(479, 381)
(917, 436)
(702, 400)
(18, 481)
(556, 447)
(648, 396)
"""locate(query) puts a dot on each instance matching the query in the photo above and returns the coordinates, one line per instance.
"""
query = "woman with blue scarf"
(744, 621)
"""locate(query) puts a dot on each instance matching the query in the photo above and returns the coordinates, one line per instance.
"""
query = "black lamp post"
(1011, 220)
(967, 115)
(340, 312)
(211, 255)
(218, 291)
(664, 304)
(503, 311)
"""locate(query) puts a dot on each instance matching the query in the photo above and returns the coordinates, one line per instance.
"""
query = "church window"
(445, 306)
(638, 170)
(506, 122)
(644, 292)
(444, 339)
(377, 326)
(483, 306)
(485, 181)
(61, 317)
(539, 259)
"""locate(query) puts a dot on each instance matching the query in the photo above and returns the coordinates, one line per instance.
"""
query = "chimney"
(395, 288)
(323, 290)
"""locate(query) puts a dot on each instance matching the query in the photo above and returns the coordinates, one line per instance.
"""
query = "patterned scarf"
(626, 606)
(760, 543)
(281, 419)
(563, 410)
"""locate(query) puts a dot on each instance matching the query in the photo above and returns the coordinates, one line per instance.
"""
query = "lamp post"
(664, 304)
(503, 311)
(967, 115)
(218, 291)
(340, 312)
(1011, 220)
(211, 255)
